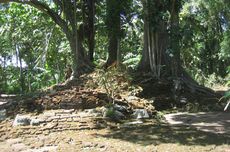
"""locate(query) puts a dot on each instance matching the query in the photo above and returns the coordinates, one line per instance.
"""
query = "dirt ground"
(215, 122)
(66, 130)
(86, 133)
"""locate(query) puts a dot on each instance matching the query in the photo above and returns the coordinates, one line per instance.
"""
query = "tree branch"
(45, 9)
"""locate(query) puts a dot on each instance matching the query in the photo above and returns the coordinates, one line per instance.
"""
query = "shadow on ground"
(215, 122)
(160, 134)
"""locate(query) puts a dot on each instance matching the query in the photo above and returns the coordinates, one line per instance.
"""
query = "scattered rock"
(141, 114)
(50, 126)
(120, 108)
(35, 122)
(2, 114)
(21, 120)
(119, 115)
(113, 114)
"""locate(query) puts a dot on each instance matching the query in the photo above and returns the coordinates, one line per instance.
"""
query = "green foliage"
(227, 94)
(131, 61)
(110, 85)
(225, 46)
(205, 30)
(30, 36)
(110, 113)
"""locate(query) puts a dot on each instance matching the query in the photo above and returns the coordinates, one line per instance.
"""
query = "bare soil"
(83, 135)
(73, 132)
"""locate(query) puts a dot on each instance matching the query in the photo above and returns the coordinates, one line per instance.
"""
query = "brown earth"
(64, 129)
(88, 133)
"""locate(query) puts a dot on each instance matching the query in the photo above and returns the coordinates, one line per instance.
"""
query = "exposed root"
(196, 89)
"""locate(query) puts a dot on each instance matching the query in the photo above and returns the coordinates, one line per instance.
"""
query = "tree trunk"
(75, 37)
(67, 21)
(114, 31)
(155, 43)
(175, 38)
(91, 32)
(112, 57)
(144, 63)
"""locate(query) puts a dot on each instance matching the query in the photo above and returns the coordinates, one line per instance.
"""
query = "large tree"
(156, 37)
(66, 15)
(161, 51)
(116, 12)
(113, 22)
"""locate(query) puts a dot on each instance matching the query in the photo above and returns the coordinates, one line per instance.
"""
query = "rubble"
(21, 120)
(140, 114)
(2, 114)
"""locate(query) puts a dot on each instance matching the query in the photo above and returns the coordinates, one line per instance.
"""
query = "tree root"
(192, 86)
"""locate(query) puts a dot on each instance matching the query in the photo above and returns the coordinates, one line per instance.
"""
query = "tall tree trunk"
(80, 63)
(155, 42)
(113, 47)
(114, 31)
(144, 63)
(91, 32)
(175, 38)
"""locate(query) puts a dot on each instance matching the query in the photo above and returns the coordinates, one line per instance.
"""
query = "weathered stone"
(50, 126)
(68, 111)
(65, 116)
(62, 120)
(54, 117)
(141, 114)
(120, 108)
(113, 114)
(47, 114)
(21, 120)
(76, 119)
(69, 119)
(2, 114)
(35, 122)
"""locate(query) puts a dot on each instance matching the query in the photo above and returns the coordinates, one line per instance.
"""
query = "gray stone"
(21, 120)
(119, 115)
(35, 122)
(120, 108)
(2, 114)
(113, 114)
(141, 114)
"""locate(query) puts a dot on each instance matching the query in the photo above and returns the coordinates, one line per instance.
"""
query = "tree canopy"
(40, 40)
